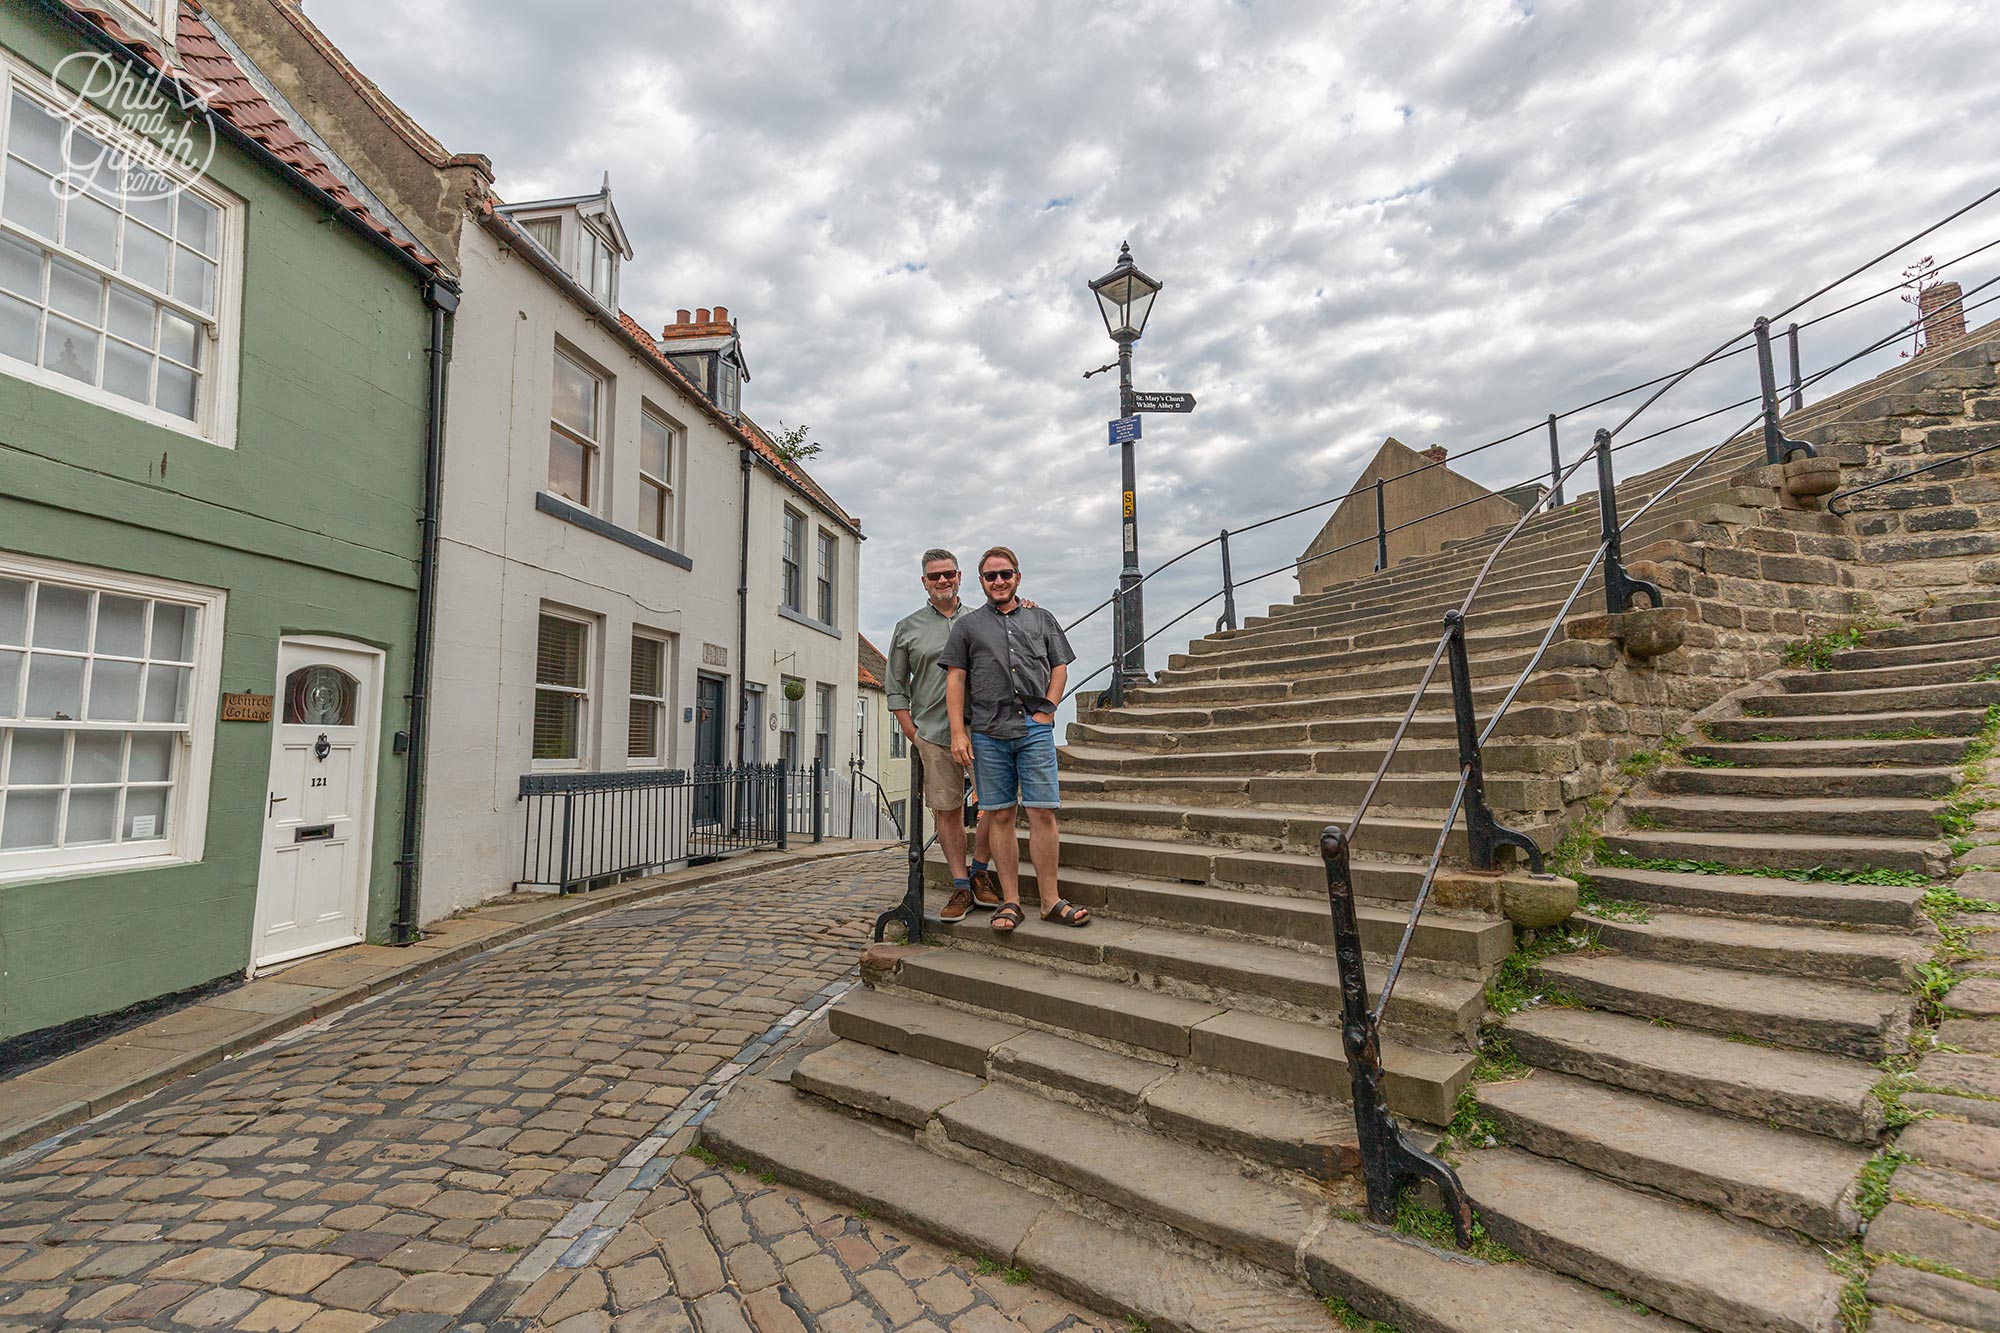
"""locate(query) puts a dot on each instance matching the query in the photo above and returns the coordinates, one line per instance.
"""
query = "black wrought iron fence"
(585, 830)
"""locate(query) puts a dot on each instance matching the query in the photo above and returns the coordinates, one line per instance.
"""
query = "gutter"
(743, 613)
(443, 301)
(423, 269)
(521, 244)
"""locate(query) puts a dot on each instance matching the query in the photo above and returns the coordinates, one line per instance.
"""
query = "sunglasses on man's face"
(943, 576)
(1000, 575)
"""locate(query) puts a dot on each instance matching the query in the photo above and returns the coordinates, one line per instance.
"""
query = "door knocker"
(322, 748)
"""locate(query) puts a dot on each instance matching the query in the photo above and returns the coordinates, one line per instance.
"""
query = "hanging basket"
(795, 690)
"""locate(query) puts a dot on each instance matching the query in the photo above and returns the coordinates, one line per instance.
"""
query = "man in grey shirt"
(1006, 665)
(917, 701)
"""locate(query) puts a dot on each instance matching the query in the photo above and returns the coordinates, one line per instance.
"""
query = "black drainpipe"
(443, 301)
(743, 616)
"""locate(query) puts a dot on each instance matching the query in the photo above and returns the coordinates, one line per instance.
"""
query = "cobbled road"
(502, 1145)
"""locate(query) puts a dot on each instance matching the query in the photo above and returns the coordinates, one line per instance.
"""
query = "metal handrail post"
(569, 816)
(784, 807)
(1484, 835)
(1115, 695)
(1618, 585)
(1776, 447)
(1228, 619)
(1389, 1161)
(1381, 529)
(818, 800)
(1798, 388)
(1555, 466)
(911, 910)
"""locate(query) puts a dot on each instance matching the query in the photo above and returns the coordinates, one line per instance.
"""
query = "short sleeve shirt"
(1008, 659)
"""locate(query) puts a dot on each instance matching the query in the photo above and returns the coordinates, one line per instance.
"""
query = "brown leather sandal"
(1067, 913)
(1007, 917)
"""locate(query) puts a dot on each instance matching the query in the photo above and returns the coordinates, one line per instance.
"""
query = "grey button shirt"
(915, 683)
(1008, 659)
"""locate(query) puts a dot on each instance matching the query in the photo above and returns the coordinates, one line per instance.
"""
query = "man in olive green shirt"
(917, 699)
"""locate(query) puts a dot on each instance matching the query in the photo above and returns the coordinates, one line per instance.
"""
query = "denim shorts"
(1020, 771)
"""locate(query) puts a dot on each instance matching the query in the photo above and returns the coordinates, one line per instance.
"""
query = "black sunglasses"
(944, 576)
(1000, 575)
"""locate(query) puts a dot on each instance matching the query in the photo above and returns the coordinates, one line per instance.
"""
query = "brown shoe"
(985, 890)
(956, 906)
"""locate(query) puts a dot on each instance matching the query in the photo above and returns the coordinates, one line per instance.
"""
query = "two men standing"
(1004, 667)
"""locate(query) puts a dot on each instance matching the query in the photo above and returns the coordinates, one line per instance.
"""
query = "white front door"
(312, 889)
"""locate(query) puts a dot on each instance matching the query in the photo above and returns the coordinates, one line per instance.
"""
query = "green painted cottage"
(220, 372)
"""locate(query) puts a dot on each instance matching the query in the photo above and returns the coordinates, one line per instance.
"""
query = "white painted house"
(604, 502)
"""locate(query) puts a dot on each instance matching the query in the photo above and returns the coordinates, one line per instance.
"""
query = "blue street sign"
(1124, 430)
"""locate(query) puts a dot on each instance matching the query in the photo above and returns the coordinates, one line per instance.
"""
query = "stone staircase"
(1699, 1090)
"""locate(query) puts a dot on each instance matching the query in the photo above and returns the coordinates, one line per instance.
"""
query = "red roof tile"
(871, 668)
(205, 68)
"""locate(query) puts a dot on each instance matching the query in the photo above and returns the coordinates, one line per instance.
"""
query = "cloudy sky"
(1434, 220)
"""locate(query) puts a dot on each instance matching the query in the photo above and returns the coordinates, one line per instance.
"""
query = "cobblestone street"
(501, 1145)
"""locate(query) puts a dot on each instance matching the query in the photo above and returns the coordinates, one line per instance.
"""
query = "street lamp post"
(1125, 297)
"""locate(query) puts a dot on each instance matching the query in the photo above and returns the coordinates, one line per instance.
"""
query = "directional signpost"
(1162, 402)
(1124, 430)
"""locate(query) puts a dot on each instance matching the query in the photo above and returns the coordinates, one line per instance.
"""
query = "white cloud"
(1437, 220)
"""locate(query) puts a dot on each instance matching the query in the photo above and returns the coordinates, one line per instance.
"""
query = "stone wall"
(1353, 524)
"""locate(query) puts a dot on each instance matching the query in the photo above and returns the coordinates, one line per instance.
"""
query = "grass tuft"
(1431, 1226)
(1346, 1316)
(1873, 1195)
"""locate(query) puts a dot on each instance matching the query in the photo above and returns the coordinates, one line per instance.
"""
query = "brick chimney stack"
(1943, 308)
(701, 323)
(1436, 453)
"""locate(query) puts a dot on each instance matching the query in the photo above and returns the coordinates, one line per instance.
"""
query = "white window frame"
(187, 813)
(826, 584)
(583, 694)
(791, 722)
(592, 243)
(826, 702)
(593, 449)
(792, 591)
(663, 738)
(216, 421)
(668, 502)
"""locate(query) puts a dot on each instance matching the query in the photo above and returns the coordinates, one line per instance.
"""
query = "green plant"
(1433, 1227)
(1809, 875)
(1346, 1316)
(1641, 819)
(1816, 653)
(1134, 1324)
(740, 1168)
(1933, 982)
(1707, 761)
(1641, 762)
(701, 1154)
(767, 1177)
(1514, 986)
(1902, 734)
(1872, 1195)
(1850, 1265)
(1889, 1090)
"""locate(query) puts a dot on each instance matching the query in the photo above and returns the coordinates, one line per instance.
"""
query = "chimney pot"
(681, 316)
(1942, 305)
(722, 314)
(1436, 453)
(701, 315)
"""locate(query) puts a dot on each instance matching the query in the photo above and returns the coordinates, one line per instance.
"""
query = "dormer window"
(706, 347)
(156, 17)
(583, 235)
(599, 270)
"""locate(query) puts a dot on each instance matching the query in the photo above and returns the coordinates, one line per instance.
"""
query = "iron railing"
(585, 830)
(910, 911)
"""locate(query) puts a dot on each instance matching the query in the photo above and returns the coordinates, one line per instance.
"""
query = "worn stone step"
(1469, 944)
(1954, 670)
(1250, 664)
(1191, 863)
(1782, 851)
(1780, 1178)
(1976, 627)
(1873, 755)
(1820, 1094)
(1369, 703)
(1438, 1009)
(1844, 783)
(1984, 648)
(1305, 1057)
(1901, 724)
(1856, 817)
(1714, 1272)
(862, 1165)
(1961, 694)
(1257, 828)
(1413, 759)
(1851, 957)
(1329, 670)
(1790, 1011)
(1145, 732)
(1401, 793)
(1853, 905)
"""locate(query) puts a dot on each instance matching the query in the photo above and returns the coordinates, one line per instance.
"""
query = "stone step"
(1187, 669)
(1336, 676)
(1360, 704)
(1984, 648)
(1902, 724)
(1304, 1057)
(1469, 945)
(1834, 752)
(1283, 1131)
(1155, 733)
(1850, 957)
(1955, 670)
(1803, 1090)
(1400, 793)
(1190, 863)
(1413, 758)
(1963, 694)
(1937, 632)
(1790, 1011)
(1714, 1272)
(1781, 851)
(1859, 817)
(1435, 1009)
(883, 1170)
(1255, 828)
(1844, 783)
(1410, 623)
(1851, 905)
(1780, 1178)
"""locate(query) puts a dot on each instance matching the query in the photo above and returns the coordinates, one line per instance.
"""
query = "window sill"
(82, 869)
(557, 507)
(802, 618)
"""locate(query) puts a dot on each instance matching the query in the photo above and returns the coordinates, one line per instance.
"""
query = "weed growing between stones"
(1873, 1194)
(1850, 1264)
(1641, 762)
(1902, 734)
(1431, 1226)
(1908, 879)
(702, 1154)
(1514, 986)
(1640, 819)
(1932, 982)
(1816, 653)
(1625, 1302)
(1013, 1277)
(1707, 761)
(1889, 1090)
(1942, 1270)
(1346, 1316)
(1134, 1324)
